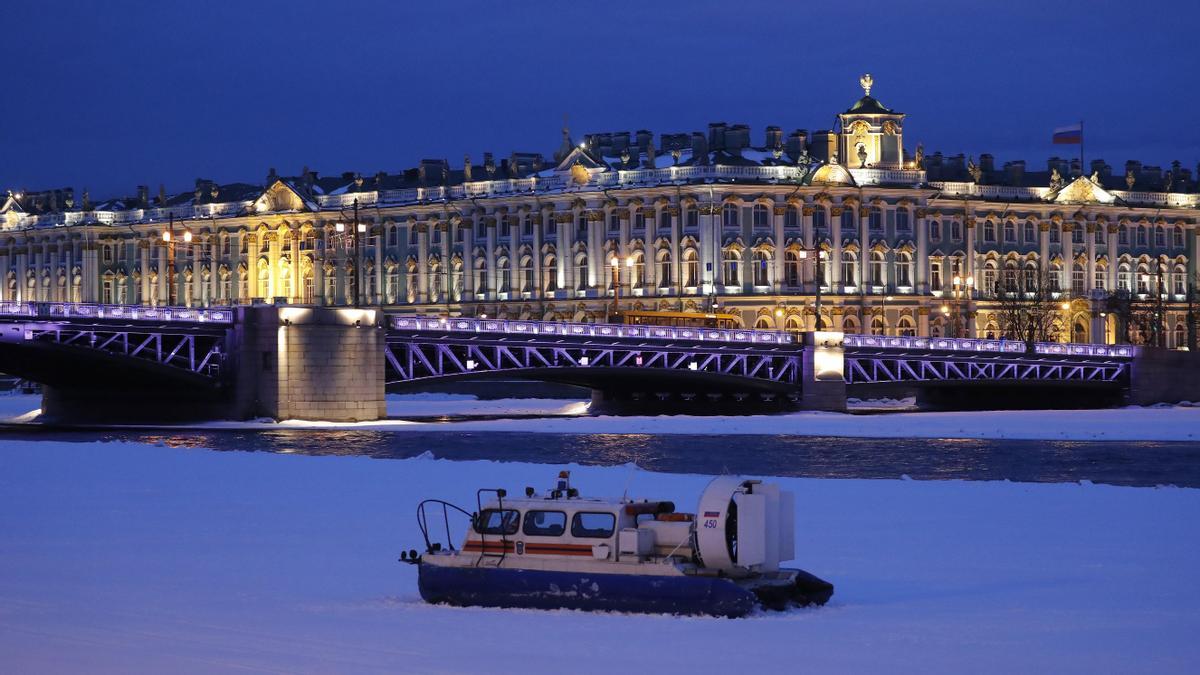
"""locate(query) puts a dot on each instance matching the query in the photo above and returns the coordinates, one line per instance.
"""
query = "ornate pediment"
(1082, 190)
(280, 196)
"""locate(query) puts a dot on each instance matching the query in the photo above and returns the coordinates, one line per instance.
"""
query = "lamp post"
(886, 299)
(168, 237)
(961, 288)
(615, 263)
(818, 278)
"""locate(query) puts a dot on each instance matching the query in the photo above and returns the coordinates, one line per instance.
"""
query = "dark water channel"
(1120, 463)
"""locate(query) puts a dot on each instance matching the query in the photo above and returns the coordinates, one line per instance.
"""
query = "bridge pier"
(308, 363)
(823, 383)
(1163, 376)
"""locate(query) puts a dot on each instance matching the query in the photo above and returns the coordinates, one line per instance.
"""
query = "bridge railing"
(600, 330)
(987, 345)
(72, 310)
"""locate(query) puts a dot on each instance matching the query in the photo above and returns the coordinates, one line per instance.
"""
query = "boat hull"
(543, 589)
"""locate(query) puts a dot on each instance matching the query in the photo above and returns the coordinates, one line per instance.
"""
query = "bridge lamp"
(166, 235)
(629, 261)
(1066, 306)
(614, 262)
(187, 236)
(957, 280)
(945, 309)
(779, 313)
(471, 364)
(693, 366)
(583, 360)
(362, 227)
(340, 227)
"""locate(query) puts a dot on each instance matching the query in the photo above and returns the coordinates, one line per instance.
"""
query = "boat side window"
(545, 523)
(496, 521)
(593, 525)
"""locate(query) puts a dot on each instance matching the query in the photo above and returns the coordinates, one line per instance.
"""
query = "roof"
(868, 105)
(833, 175)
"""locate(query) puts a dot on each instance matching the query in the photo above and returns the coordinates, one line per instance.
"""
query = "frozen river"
(1135, 463)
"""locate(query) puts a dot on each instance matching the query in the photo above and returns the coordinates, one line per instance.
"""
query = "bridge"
(312, 362)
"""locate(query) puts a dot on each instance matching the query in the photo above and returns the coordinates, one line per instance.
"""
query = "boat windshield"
(497, 521)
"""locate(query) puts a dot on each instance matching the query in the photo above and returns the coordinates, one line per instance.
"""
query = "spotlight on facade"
(693, 366)
(779, 313)
(471, 364)
(583, 360)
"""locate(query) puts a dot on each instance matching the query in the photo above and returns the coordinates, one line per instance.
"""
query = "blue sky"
(109, 95)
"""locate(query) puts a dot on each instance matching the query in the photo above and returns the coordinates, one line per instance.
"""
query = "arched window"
(763, 323)
(905, 327)
(791, 218)
(1055, 234)
(1143, 279)
(1055, 277)
(729, 215)
(820, 220)
(878, 264)
(849, 268)
(1177, 237)
(1160, 236)
(664, 268)
(1077, 278)
(791, 268)
(526, 274)
(849, 324)
(1010, 232)
(989, 277)
(762, 265)
(502, 271)
(1031, 276)
(847, 220)
(875, 218)
(1180, 336)
(691, 268)
(1010, 278)
(877, 326)
(732, 260)
(550, 274)
(1101, 281)
(761, 219)
(481, 283)
(1030, 232)
(581, 271)
(935, 231)
(637, 271)
(1179, 279)
(989, 231)
(639, 220)
(902, 220)
(1124, 277)
(792, 324)
(1141, 235)
(691, 218)
(526, 226)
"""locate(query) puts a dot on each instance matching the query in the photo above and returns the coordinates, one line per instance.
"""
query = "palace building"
(850, 229)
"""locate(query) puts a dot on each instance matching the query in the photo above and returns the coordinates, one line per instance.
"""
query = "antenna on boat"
(629, 478)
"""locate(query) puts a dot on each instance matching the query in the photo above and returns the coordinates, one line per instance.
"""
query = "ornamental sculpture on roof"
(866, 82)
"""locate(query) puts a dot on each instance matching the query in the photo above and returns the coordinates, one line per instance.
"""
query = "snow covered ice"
(130, 558)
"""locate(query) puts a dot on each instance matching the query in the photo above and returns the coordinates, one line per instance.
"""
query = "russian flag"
(1070, 135)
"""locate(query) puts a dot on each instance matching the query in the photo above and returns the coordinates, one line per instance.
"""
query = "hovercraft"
(558, 550)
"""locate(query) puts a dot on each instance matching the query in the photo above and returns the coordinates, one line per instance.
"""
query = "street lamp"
(615, 264)
(961, 288)
(818, 278)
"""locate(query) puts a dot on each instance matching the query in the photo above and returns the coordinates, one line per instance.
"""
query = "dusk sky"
(109, 95)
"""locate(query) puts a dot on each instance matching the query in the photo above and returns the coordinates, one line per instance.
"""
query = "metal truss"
(425, 356)
(197, 352)
(875, 368)
(85, 311)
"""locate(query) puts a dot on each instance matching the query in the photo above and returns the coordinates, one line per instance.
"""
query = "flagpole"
(1082, 168)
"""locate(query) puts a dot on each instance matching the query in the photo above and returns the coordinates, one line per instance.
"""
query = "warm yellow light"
(166, 236)
(629, 261)
(1066, 305)
(340, 227)
(187, 236)
(888, 298)
(614, 262)
(957, 280)
(779, 313)
(945, 309)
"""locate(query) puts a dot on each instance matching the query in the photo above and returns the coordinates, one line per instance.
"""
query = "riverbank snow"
(118, 558)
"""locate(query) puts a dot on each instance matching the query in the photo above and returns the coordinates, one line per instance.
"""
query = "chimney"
(774, 138)
(737, 137)
(644, 140)
(1015, 171)
(489, 165)
(620, 141)
(716, 135)
(987, 162)
(272, 176)
(797, 143)
(143, 196)
(1076, 167)
(699, 148)
(162, 194)
(467, 168)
